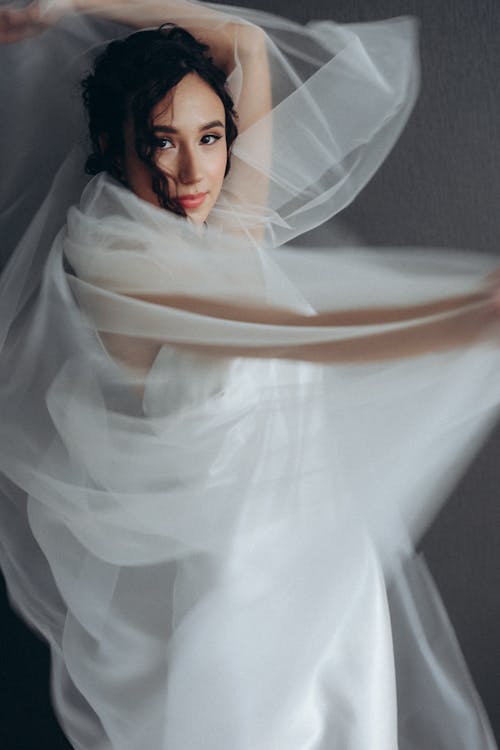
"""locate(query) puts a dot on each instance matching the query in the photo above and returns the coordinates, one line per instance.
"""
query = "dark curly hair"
(129, 78)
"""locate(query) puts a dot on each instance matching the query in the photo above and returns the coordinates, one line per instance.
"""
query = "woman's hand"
(17, 24)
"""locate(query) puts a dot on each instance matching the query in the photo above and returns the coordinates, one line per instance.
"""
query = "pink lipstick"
(192, 201)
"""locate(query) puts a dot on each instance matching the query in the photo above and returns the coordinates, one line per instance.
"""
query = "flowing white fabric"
(219, 547)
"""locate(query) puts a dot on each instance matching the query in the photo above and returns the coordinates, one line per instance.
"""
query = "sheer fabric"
(217, 542)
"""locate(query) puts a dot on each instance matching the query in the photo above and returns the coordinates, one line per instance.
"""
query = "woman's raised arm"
(228, 39)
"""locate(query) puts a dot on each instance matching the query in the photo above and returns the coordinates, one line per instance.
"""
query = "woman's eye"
(209, 139)
(164, 144)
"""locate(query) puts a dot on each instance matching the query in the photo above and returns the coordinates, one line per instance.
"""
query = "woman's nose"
(189, 168)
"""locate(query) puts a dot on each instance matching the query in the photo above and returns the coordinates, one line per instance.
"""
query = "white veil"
(208, 485)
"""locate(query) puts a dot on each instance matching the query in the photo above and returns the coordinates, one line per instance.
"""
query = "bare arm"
(282, 317)
(466, 320)
(219, 31)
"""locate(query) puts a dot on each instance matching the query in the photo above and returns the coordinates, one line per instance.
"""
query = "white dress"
(220, 549)
(291, 636)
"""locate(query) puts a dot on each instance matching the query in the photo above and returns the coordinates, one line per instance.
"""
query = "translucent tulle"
(217, 541)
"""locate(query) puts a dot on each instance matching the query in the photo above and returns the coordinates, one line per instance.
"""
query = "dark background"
(439, 187)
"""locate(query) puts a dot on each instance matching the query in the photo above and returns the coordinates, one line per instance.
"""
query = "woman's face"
(190, 127)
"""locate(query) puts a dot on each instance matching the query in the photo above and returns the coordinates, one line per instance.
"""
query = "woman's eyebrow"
(170, 129)
(212, 124)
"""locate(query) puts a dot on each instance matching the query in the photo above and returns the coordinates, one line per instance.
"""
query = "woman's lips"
(192, 201)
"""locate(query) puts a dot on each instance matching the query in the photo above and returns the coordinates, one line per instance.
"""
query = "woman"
(214, 533)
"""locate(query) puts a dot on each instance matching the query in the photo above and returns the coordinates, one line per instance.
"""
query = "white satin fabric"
(219, 549)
